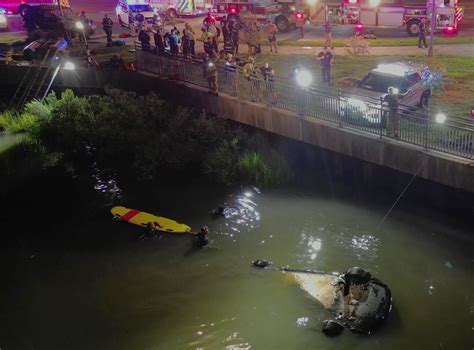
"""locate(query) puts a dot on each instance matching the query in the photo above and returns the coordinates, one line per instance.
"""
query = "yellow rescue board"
(141, 218)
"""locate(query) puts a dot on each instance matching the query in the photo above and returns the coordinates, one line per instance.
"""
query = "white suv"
(125, 8)
(410, 80)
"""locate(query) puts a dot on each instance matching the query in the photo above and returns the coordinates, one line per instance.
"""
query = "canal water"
(73, 278)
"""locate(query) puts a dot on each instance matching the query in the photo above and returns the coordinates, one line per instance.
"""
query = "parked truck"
(371, 13)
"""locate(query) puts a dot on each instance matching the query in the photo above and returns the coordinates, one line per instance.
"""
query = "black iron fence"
(339, 107)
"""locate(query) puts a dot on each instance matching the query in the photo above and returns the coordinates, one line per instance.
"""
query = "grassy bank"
(380, 42)
(455, 97)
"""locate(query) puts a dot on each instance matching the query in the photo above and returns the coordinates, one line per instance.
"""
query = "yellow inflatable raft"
(141, 218)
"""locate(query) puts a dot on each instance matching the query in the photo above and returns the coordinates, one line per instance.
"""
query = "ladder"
(35, 81)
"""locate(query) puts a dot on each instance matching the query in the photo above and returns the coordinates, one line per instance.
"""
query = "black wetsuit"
(202, 239)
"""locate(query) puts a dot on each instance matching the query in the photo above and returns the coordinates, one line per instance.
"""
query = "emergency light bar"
(137, 2)
(393, 69)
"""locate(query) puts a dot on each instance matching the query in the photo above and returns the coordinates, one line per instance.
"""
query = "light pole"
(90, 59)
(80, 26)
(433, 27)
(304, 78)
(67, 66)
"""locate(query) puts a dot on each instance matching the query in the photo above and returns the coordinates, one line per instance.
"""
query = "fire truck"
(384, 13)
(14, 7)
(405, 13)
(280, 13)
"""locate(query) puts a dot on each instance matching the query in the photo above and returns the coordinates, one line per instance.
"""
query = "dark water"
(72, 278)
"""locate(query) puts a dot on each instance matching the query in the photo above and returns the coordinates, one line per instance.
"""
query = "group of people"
(172, 41)
(249, 71)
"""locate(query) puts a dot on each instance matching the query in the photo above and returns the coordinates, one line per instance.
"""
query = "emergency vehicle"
(282, 14)
(386, 13)
(406, 13)
(126, 8)
(14, 7)
(181, 8)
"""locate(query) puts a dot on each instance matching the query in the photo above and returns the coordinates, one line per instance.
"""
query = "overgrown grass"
(18, 122)
(254, 170)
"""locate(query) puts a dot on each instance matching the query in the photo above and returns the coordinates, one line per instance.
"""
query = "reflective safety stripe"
(131, 214)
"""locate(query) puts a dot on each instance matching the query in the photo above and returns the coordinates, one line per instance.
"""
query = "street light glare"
(440, 118)
(69, 66)
(79, 25)
(304, 78)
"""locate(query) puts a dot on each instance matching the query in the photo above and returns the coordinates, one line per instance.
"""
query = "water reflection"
(215, 335)
(241, 214)
(106, 184)
(310, 247)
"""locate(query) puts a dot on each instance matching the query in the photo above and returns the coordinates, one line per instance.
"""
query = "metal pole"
(433, 27)
(51, 82)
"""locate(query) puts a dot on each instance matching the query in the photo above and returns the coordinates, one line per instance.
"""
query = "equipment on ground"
(142, 218)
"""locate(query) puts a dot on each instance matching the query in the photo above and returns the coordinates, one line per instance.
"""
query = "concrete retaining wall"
(444, 169)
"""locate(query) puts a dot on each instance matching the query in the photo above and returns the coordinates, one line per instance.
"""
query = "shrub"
(18, 122)
(253, 169)
(222, 163)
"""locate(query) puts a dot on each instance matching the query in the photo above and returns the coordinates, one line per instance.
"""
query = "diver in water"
(355, 275)
(202, 239)
(221, 211)
(153, 229)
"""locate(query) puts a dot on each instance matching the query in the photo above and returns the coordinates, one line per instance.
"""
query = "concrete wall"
(444, 169)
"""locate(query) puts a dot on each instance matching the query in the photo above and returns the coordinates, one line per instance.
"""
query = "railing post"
(185, 63)
(339, 111)
(426, 134)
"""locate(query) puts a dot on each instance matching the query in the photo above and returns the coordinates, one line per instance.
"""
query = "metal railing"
(333, 106)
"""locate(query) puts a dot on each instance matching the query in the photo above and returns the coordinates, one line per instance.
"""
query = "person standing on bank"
(421, 33)
(327, 59)
(272, 30)
(107, 25)
(391, 99)
(327, 29)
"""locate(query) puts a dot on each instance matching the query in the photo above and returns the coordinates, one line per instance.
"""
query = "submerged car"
(411, 83)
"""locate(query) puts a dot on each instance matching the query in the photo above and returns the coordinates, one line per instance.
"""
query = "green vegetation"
(145, 137)
(454, 96)
(18, 122)
(379, 42)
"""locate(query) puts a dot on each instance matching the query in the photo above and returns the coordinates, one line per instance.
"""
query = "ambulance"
(181, 8)
(126, 8)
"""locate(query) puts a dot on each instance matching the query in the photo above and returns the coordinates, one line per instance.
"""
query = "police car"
(3, 19)
(411, 83)
(126, 8)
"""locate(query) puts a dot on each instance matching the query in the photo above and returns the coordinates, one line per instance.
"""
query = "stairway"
(35, 82)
